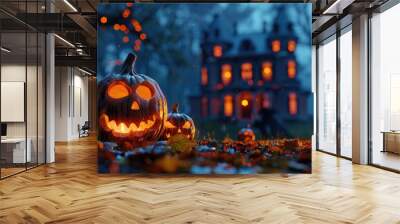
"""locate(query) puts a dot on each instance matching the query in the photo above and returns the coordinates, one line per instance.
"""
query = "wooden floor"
(70, 191)
(387, 159)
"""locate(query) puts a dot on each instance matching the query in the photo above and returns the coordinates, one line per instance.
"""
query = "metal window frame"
(44, 75)
(339, 31)
(387, 5)
(381, 9)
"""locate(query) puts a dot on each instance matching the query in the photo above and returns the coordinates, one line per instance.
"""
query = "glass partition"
(22, 90)
(31, 97)
(327, 96)
(41, 96)
(346, 93)
(13, 94)
(385, 89)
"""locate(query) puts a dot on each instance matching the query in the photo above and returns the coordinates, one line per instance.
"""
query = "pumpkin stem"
(129, 64)
(175, 108)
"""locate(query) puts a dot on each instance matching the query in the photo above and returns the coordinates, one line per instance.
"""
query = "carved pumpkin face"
(179, 123)
(132, 108)
(246, 135)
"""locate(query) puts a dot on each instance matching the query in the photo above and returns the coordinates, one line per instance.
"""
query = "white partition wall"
(71, 102)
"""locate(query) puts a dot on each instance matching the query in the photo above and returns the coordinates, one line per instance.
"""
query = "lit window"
(291, 69)
(204, 76)
(292, 103)
(276, 46)
(204, 106)
(247, 71)
(217, 51)
(245, 105)
(226, 74)
(267, 71)
(291, 46)
(228, 105)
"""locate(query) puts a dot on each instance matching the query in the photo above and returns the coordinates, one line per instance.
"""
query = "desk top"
(391, 132)
(13, 140)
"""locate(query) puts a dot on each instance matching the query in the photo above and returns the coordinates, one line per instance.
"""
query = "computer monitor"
(3, 129)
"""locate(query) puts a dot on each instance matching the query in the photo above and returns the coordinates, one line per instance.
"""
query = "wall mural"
(204, 88)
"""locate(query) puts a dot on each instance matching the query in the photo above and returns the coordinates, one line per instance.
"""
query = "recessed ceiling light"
(70, 5)
(84, 71)
(337, 7)
(5, 50)
(64, 40)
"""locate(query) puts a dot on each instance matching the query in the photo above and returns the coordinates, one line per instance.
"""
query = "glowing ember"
(126, 13)
(143, 36)
(103, 19)
(125, 39)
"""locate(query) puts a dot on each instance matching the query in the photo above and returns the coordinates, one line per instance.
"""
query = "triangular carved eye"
(186, 125)
(169, 125)
(118, 90)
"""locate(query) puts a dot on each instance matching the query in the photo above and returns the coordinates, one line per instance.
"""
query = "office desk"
(15, 148)
(391, 141)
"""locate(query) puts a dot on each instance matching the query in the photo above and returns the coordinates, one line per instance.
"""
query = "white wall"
(13, 73)
(71, 102)
(33, 127)
(61, 103)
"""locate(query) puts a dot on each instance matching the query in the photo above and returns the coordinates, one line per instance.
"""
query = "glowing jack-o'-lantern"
(246, 135)
(132, 108)
(179, 123)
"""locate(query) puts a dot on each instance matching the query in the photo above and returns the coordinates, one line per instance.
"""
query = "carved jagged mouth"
(124, 130)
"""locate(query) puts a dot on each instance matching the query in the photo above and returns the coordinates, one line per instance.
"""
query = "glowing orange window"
(292, 103)
(245, 105)
(291, 69)
(204, 76)
(228, 105)
(267, 71)
(291, 46)
(247, 71)
(276, 46)
(217, 51)
(226, 74)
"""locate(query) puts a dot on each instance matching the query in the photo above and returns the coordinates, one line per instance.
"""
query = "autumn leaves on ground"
(181, 155)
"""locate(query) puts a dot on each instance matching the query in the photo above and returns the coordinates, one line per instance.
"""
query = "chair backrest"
(86, 124)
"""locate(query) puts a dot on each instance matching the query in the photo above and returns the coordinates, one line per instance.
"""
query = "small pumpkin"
(132, 108)
(179, 123)
(246, 135)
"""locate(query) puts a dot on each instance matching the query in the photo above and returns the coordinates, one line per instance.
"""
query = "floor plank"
(70, 191)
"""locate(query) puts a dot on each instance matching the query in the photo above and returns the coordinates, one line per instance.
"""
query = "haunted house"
(242, 73)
